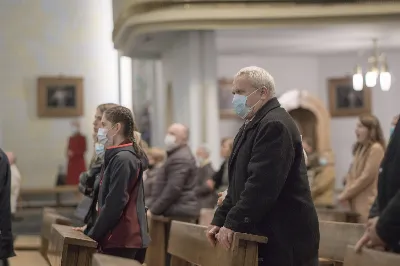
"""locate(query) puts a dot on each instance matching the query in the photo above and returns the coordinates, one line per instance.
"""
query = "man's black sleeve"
(271, 159)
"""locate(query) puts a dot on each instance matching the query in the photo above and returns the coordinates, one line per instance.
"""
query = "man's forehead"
(241, 84)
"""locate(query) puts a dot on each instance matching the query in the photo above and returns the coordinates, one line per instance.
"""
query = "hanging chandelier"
(377, 69)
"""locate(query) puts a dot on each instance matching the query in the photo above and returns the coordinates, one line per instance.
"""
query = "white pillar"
(210, 100)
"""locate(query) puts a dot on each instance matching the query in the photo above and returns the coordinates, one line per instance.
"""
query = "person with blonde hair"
(361, 181)
(156, 157)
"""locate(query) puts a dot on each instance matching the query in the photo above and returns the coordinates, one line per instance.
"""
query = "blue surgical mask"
(102, 136)
(391, 131)
(239, 103)
(99, 149)
(323, 161)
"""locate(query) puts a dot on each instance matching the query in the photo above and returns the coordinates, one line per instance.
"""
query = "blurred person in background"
(204, 183)
(75, 154)
(361, 181)
(383, 226)
(15, 185)
(6, 236)
(221, 177)
(175, 181)
(156, 159)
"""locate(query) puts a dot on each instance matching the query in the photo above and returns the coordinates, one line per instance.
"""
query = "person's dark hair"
(123, 115)
(375, 133)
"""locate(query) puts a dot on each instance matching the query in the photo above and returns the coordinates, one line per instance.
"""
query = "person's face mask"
(99, 149)
(323, 161)
(103, 138)
(391, 131)
(239, 104)
(170, 141)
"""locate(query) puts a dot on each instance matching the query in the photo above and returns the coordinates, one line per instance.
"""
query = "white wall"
(311, 73)
(47, 37)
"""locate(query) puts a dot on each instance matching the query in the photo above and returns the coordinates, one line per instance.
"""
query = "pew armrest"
(253, 238)
(370, 257)
(72, 237)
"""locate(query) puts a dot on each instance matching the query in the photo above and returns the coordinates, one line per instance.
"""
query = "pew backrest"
(336, 236)
(337, 215)
(104, 260)
(370, 257)
(50, 217)
(68, 247)
(189, 243)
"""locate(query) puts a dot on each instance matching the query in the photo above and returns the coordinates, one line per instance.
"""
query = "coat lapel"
(241, 136)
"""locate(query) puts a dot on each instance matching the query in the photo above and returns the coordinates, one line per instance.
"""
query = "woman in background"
(121, 225)
(221, 177)
(156, 158)
(75, 153)
(361, 181)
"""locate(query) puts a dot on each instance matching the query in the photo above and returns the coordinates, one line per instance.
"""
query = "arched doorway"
(312, 117)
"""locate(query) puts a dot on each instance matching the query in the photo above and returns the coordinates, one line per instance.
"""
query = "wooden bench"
(158, 227)
(68, 247)
(370, 257)
(104, 260)
(337, 215)
(188, 242)
(57, 191)
(34, 242)
(27, 258)
(50, 218)
(206, 216)
(334, 239)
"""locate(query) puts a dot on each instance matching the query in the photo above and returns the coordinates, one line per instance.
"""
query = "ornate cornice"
(151, 16)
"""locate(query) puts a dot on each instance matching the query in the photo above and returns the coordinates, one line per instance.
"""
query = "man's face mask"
(240, 106)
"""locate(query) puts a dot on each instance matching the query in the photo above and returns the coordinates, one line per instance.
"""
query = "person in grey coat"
(204, 183)
(175, 181)
(6, 237)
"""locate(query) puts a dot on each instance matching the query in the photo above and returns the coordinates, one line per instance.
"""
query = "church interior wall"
(310, 72)
(54, 44)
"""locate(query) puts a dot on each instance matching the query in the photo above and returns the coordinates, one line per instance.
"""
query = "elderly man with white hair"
(268, 192)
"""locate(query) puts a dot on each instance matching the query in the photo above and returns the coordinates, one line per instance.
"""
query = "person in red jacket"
(75, 155)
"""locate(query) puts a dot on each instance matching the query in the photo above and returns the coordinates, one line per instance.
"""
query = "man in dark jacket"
(6, 238)
(383, 228)
(268, 192)
(174, 185)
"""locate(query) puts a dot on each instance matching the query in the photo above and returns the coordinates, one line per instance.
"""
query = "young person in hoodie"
(121, 225)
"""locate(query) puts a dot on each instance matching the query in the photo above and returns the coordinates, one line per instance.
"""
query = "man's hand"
(80, 229)
(225, 237)
(212, 230)
(221, 197)
(370, 237)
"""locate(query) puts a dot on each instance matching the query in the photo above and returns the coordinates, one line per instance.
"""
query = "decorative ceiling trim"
(155, 17)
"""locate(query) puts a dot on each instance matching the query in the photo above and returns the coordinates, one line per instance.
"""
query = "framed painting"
(60, 96)
(225, 99)
(345, 101)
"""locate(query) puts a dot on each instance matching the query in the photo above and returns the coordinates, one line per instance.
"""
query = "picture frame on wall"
(60, 96)
(345, 101)
(225, 97)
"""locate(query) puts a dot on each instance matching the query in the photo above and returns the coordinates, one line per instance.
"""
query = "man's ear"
(264, 93)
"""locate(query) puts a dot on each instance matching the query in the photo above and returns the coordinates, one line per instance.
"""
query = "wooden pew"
(34, 242)
(334, 238)
(370, 257)
(206, 216)
(104, 260)
(189, 243)
(27, 258)
(50, 218)
(68, 247)
(57, 191)
(337, 215)
(158, 227)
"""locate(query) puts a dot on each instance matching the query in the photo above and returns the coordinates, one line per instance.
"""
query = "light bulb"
(385, 80)
(358, 82)
(370, 79)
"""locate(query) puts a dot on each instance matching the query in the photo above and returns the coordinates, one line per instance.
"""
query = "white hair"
(205, 148)
(259, 78)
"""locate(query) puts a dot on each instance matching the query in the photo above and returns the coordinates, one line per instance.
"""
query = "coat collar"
(241, 136)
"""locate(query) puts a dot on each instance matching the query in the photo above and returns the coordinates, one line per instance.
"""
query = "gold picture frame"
(345, 101)
(60, 96)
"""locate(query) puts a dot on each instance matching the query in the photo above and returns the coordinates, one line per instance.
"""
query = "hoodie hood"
(125, 146)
